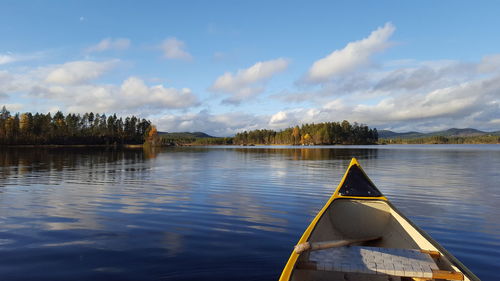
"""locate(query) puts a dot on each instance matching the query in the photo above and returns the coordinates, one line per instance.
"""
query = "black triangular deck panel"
(358, 184)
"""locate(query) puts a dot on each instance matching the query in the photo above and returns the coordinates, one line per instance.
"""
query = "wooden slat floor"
(388, 261)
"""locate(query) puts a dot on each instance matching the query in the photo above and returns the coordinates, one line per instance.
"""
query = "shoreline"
(136, 146)
(72, 145)
(333, 145)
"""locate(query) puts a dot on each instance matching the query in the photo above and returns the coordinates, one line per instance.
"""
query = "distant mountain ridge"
(185, 135)
(453, 132)
(382, 134)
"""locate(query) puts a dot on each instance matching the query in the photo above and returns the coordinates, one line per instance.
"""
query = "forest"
(70, 129)
(327, 133)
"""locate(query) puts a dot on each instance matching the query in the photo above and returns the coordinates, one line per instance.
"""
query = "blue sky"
(227, 66)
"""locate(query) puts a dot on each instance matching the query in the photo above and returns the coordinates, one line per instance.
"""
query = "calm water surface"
(224, 213)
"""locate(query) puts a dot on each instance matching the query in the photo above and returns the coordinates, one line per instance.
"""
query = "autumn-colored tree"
(152, 131)
(296, 135)
(306, 139)
(152, 137)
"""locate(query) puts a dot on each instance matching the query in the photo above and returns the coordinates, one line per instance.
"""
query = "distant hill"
(382, 134)
(453, 132)
(184, 135)
(386, 134)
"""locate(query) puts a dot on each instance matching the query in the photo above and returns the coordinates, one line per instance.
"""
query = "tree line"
(75, 129)
(486, 139)
(327, 133)
(213, 141)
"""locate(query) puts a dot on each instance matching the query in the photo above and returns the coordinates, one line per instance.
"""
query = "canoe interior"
(360, 218)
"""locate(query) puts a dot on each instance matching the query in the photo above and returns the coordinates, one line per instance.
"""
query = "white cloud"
(351, 57)
(109, 44)
(13, 107)
(248, 82)
(135, 91)
(174, 48)
(291, 117)
(5, 59)
(78, 72)
(279, 118)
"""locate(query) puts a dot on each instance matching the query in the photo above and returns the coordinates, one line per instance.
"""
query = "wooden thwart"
(314, 246)
(432, 253)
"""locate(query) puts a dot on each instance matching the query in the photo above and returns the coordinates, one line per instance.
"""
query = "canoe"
(360, 235)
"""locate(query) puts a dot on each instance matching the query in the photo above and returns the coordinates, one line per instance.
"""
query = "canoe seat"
(373, 260)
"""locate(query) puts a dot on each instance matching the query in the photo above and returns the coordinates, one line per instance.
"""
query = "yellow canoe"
(360, 235)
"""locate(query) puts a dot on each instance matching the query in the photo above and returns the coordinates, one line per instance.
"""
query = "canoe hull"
(356, 210)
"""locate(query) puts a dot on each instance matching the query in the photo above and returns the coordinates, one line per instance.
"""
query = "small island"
(327, 133)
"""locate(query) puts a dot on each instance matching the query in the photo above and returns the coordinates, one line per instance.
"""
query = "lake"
(224, 213)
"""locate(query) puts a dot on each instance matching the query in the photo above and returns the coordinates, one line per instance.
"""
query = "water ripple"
(223, 213)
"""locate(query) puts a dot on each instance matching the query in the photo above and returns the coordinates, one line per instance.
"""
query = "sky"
(222, 67)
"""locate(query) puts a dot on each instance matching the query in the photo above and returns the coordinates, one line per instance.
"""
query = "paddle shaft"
(302, 247)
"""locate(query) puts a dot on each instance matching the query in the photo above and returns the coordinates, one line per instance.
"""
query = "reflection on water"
(223, 213)
(313, 153)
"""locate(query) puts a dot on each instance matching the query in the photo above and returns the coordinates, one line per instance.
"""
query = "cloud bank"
(70, 87)
(424, 96)
(405, 94)
(78, 72)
